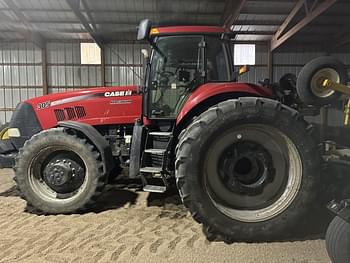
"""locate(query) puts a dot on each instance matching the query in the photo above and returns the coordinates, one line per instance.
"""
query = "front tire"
(338, 240)
(57, 172)
(246, 169)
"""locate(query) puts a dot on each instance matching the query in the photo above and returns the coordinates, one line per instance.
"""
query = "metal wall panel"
(65, 71)
(20, 75)
(123, 64)
(291, 60)
(259, 71)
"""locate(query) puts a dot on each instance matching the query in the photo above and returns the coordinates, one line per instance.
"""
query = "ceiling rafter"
(28, 32)
(232, 11)
(75, 7)
(316, 9)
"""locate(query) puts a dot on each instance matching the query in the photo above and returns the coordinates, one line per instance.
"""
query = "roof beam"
(341, 38)
(75, 7)
(289, 18)
(341, 42)
(231, 13)
(29, 32)
(279, 38)
(88, 13)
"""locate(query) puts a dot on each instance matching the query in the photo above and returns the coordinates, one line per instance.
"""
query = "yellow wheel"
(309, 83)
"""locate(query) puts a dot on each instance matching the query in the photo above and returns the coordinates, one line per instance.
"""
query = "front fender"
(210, 90)
(96, 138)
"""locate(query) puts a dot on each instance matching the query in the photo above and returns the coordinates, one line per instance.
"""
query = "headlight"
(13, 132)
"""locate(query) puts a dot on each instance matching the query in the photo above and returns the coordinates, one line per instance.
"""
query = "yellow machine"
(322, 82)
(328, 84)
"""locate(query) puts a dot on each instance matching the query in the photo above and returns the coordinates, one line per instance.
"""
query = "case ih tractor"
(244, 161)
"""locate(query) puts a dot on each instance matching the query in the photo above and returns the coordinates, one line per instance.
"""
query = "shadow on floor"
(335, 185)
(111, 198)
(10, 192)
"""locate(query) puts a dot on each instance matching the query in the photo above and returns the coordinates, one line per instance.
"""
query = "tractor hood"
(95, 106)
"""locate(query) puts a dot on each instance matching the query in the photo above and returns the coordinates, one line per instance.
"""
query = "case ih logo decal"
(118, 93)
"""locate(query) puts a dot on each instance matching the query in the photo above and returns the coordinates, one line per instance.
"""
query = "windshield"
(177, 68)
(175, 60)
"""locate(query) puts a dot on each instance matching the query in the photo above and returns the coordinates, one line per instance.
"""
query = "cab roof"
(171, 30)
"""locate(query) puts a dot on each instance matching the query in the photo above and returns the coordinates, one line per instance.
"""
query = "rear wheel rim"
(267, 193)
(317, 79)
(54, 175)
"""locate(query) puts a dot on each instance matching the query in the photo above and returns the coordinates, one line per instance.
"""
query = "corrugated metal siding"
(20, 75)
(291, 60)
(259, 71)
(123, 64)
(65, 71)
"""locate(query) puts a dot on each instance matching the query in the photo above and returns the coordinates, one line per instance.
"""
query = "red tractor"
(245, 163)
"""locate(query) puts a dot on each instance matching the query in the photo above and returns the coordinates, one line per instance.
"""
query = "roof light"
(154, 31)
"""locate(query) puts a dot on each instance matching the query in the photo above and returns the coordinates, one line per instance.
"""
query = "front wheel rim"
(288, 184)
(43, 188)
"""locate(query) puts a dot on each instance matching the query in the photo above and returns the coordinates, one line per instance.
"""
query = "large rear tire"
(247, 170)
(309, 82)
(57, 172)
(338, 240)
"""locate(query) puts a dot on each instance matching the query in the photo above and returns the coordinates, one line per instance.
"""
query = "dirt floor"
(127, 227)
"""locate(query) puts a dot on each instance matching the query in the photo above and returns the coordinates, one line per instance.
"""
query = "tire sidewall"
(222, 223)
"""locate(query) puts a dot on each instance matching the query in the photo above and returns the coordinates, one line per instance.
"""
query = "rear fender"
(96, 139)
(210, 94)
(199, 108)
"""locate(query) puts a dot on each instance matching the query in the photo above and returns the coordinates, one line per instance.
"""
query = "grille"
(80, 111)
(70, 113)
(59, 115)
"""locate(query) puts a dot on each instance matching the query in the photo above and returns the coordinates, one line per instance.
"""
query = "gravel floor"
(127, 227)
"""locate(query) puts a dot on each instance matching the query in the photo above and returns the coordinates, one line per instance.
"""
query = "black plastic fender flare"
(96, 139)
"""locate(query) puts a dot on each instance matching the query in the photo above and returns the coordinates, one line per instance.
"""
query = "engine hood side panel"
(94, 106)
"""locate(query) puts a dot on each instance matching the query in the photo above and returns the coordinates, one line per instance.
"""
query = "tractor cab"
(182, 58)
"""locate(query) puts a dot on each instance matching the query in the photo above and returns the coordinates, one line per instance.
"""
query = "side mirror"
(243, 69)
(144, 29)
